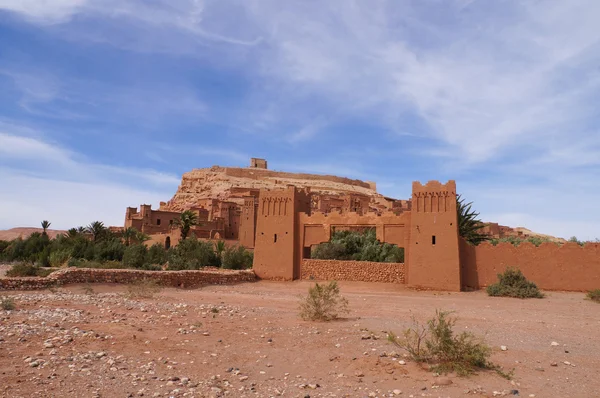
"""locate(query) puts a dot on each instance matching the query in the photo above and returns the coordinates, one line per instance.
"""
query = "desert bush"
(58, 258)
(236, 257)
(191, 253)
(135, 256)
(157, 254)
(512, 283)
(82, 263)
(323, 303)
(7, 303)
(437, 344)
(359, 246)
(143, 288)
(516, 241)
(22, 269)
(594, 295)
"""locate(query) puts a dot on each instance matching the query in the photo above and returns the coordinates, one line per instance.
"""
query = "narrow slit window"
(275, 238)
(433, 239)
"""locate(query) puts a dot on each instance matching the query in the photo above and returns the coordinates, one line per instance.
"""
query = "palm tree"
(128, 235)
(185, 222)
(141, 237)
(72, 232)
(469, 225)
(45, 226)
(97, 229)
(220, 247)
(81, 230)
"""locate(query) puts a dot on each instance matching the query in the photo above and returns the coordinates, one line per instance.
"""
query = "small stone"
(397, 392)
(401, 362)
(358, 373)
(553, 364)
(442, 381)
(554, 344)
(243, 378)
(567, 362)
(503, 348)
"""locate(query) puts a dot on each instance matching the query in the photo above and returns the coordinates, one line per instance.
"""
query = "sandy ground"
(247, 341)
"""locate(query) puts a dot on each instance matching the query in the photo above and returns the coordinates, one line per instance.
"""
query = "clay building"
(258, 163)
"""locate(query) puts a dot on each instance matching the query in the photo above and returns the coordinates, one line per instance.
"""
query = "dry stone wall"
(360, 271)
(183, 279)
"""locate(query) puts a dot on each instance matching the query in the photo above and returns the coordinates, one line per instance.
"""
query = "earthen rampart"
(256, 173)
(360, 271)
(551, 266)
(182, 279)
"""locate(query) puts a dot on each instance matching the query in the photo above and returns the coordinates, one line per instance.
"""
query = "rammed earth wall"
(360, 271)
(568, 267)
(184, 279)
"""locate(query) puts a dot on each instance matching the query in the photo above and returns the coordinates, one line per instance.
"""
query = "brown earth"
(247, 341)
(24, 232)
(229, 183)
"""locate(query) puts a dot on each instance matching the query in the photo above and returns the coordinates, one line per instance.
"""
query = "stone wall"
(360, 271)
(551, 266)
(183, 279)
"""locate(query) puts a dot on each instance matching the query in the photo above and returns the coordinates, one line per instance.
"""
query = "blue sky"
(105, 103)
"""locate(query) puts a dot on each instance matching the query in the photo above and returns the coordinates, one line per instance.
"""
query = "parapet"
(434, 186)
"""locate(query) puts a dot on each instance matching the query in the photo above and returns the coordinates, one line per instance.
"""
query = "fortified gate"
(428, 232)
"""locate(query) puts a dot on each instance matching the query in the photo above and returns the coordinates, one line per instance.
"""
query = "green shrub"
(135, 256)
(594, 295)
(516, 241)
(323, 303)
(191, 253)
(27, 270)
(7, 303)
(236, 257)
(437, 344)
(157, 254)
(80, 263)
(58, 258)
(109, 250)
(512, 283)
(359, 246)
(22, 269)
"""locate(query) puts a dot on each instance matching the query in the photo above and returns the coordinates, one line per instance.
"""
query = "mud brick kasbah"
(281, 215)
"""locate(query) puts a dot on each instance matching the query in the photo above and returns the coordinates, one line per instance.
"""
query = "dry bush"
(512, 283)
(436, 343)
(143, 288)
(7, 303)
(323, 303)
(594, 295)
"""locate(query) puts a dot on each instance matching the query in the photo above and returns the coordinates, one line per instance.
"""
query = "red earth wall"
(568, 267)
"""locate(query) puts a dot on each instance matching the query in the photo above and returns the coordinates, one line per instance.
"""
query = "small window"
(275, 238)
(433, 239)
(158, 221)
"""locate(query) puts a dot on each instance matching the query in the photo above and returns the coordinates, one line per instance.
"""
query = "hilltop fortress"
(282, 215)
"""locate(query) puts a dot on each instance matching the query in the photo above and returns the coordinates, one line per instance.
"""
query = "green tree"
(97, 229)
(469, 224)
(72, 233)
(185, 222)
(45, 226)
(220, 248)
(128, 235)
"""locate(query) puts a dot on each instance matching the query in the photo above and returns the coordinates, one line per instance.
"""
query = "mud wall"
(254, 173)
(361, 271)
(183, 279)
(568, 267)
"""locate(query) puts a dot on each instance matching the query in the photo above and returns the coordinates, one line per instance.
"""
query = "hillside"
(232, 183)
(24, 232)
